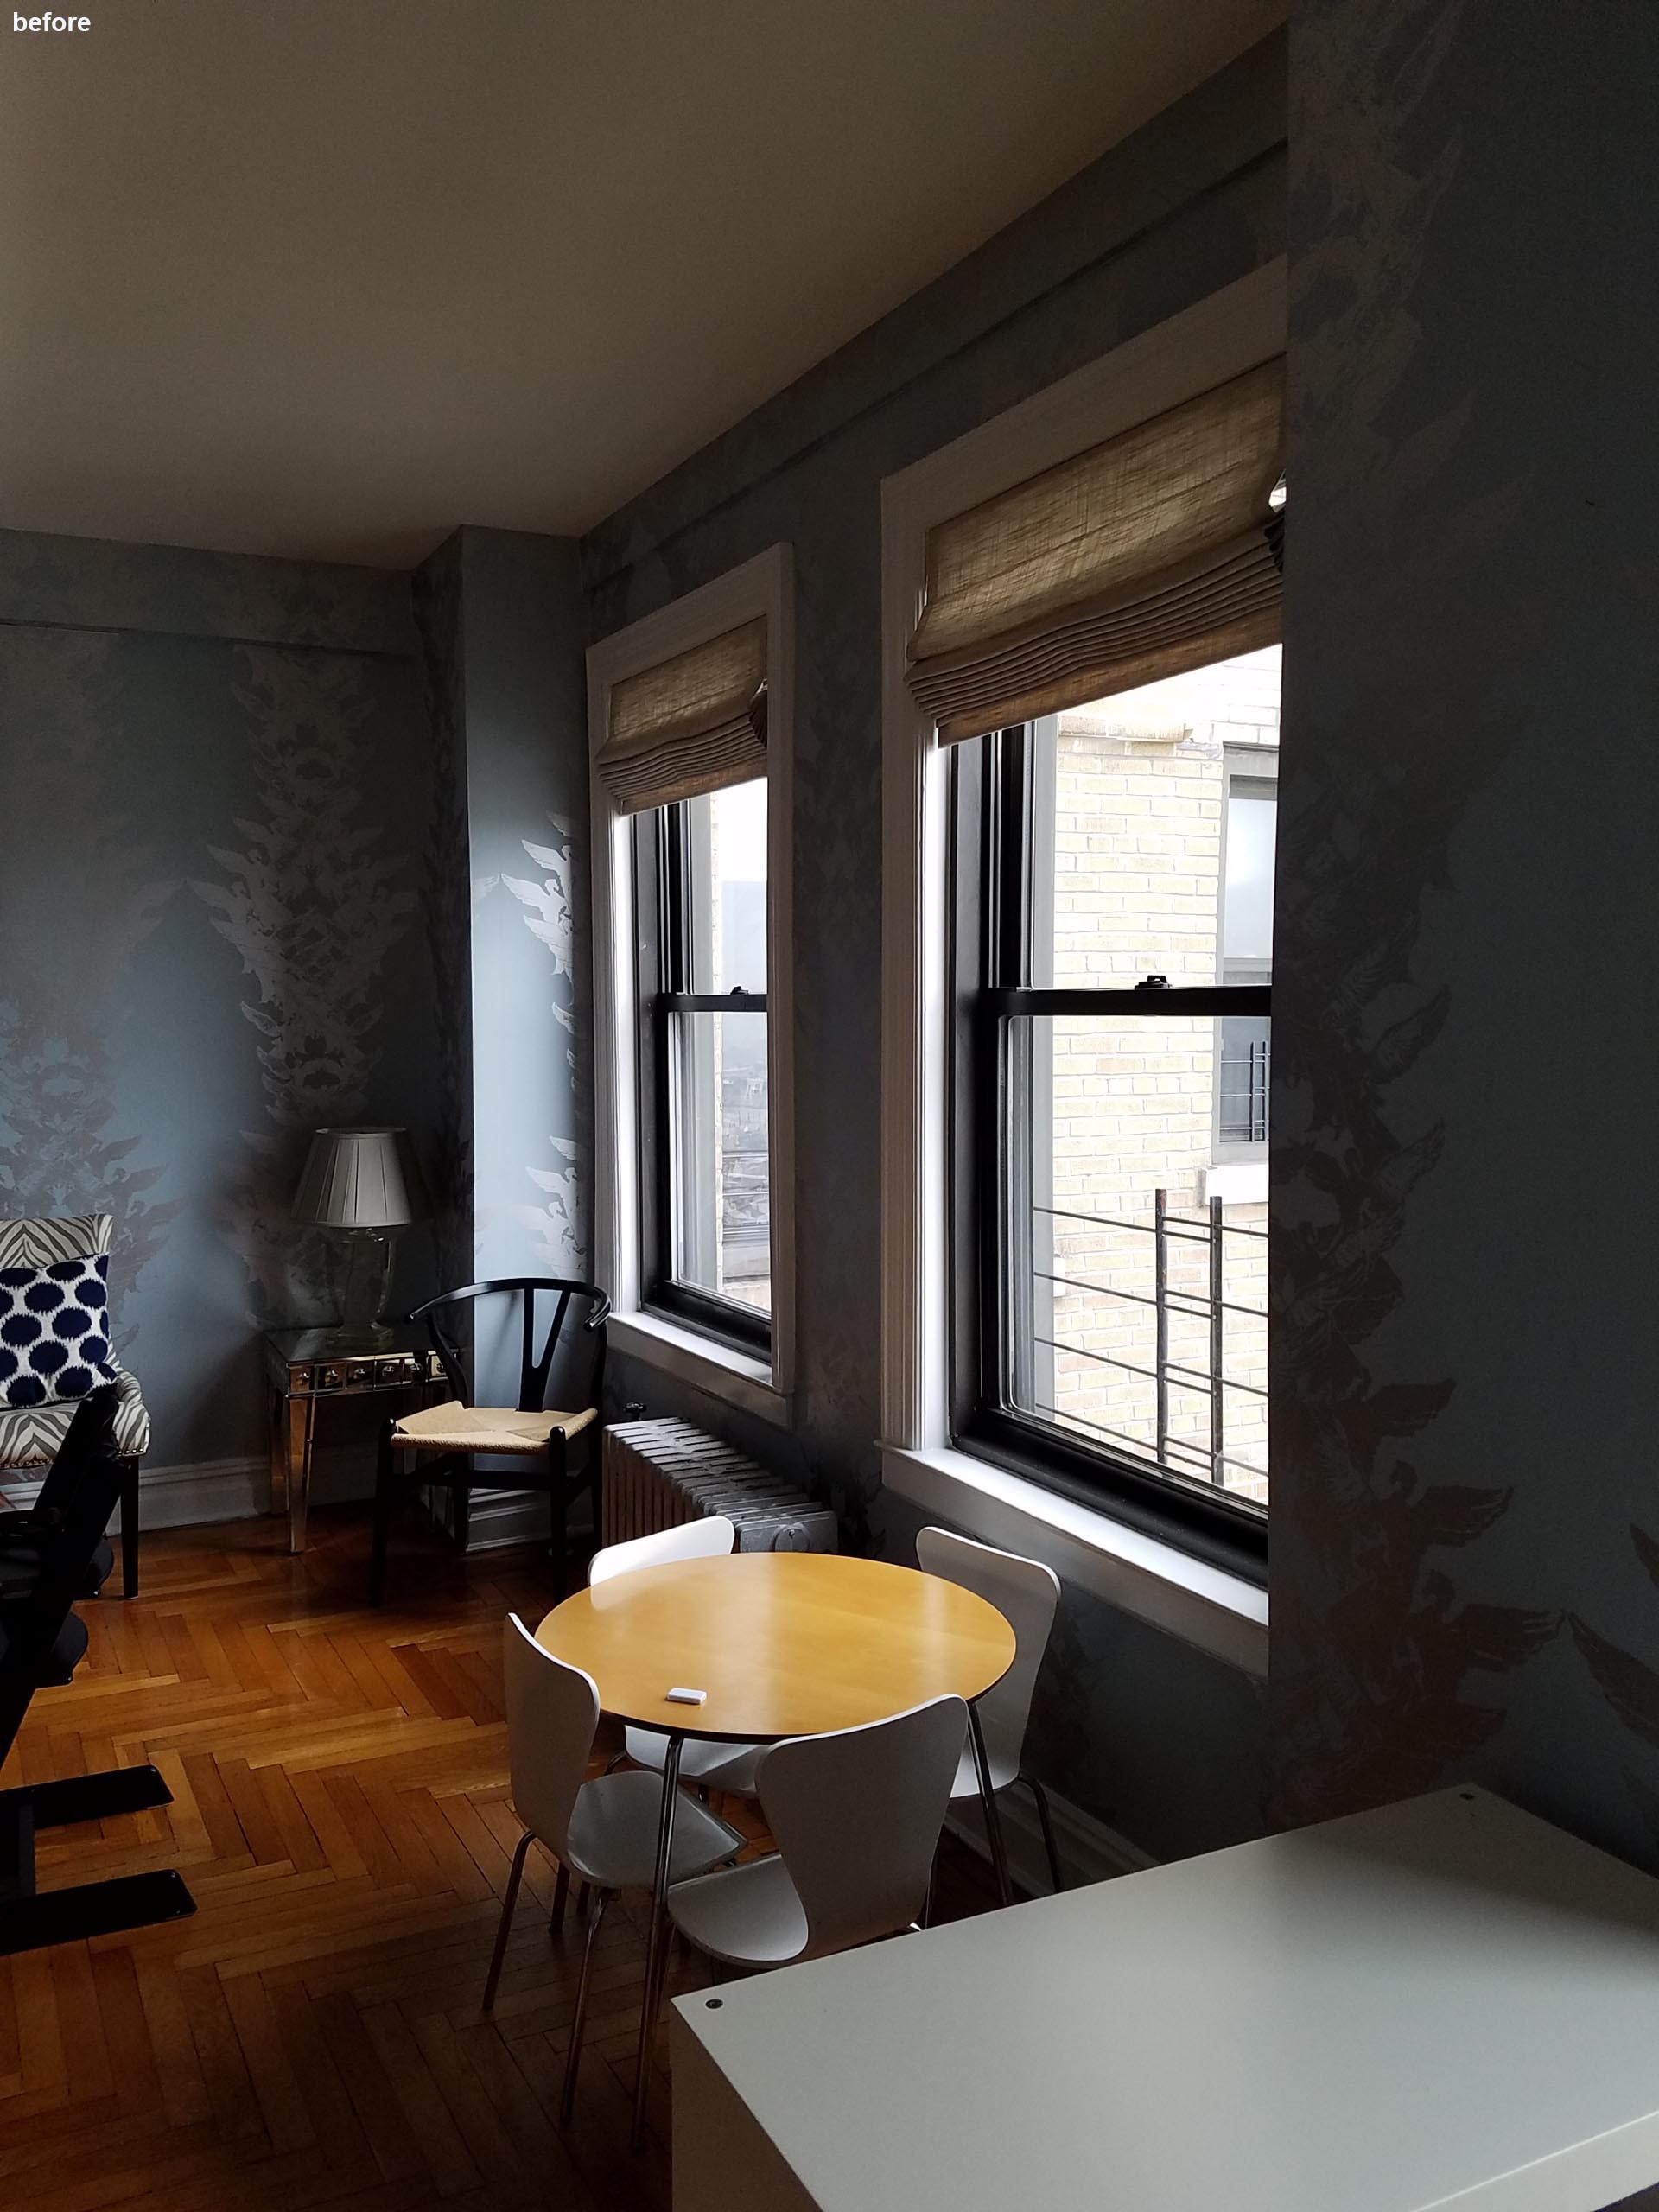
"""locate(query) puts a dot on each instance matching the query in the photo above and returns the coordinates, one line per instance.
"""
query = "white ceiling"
(325, 277)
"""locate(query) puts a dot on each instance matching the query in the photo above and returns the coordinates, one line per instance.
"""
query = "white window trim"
(762, 587)
(1221, 337)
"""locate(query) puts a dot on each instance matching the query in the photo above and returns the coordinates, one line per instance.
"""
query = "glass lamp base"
(362, 1271)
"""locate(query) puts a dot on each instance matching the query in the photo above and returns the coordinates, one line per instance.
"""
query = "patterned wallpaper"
(1463, 1574)
(71, 935)
(217, 798)
(445, 904)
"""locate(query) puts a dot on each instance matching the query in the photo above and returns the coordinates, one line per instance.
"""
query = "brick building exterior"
(1162, 815)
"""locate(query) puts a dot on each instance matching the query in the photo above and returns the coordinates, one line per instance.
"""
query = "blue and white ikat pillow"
(54, 1330)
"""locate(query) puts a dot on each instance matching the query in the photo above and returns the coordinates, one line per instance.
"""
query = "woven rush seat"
(455, 1427)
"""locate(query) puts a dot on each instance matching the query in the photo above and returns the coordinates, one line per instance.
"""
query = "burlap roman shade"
(1141, 558)
(693, 724)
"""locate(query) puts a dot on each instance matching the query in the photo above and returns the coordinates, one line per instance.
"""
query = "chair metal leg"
(657, 1944)
(573, 2057)
(987, 1800)
(384, 1475)
(1040, 1797)
(584, 1900)
(561, 1893)
(507, 1904)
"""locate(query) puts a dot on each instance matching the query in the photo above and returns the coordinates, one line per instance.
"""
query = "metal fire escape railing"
(1168, 1226)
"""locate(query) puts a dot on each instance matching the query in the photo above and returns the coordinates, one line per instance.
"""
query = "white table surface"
(1445, 2001)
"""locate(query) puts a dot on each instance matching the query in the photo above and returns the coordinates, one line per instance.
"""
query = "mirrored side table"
(304, 1367)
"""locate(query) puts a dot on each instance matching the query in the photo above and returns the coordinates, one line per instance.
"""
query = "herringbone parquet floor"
(312, 2037)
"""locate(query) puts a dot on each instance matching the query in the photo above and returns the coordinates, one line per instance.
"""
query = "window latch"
(1153, 983)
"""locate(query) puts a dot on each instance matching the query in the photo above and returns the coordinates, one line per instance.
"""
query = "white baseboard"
(513, 1517)
(1090, 1851)
(183, 1497)
(501, 1518)
(204, 1490)
(211, 1490)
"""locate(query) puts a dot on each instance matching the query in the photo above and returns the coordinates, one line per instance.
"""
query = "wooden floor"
(312, 2037)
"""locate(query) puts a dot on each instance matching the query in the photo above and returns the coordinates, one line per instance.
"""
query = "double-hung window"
(690, 721)
(1110, 965)
(700, 877)
(1097, 654)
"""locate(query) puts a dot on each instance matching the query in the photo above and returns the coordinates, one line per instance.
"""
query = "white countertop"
(1447, 2000)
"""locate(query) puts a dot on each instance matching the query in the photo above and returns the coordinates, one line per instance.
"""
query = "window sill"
(1204, 1605)
(737, 1376)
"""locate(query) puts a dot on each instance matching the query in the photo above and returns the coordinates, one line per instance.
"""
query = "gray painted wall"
(215, 798)
(1167, 1744)
(1464, 1554)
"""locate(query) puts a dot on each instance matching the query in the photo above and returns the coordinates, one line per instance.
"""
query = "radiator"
(656, 1474)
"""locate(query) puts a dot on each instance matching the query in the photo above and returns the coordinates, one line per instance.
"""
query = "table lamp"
(364, 1186)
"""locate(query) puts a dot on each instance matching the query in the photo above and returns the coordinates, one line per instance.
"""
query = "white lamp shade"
(361, 1178)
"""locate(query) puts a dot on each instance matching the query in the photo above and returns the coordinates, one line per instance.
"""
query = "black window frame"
(662, 888)
(991, 860)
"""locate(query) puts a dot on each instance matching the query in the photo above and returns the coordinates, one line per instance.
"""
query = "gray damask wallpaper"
(1462, 1575)
(1165, 1743)
(217, 795)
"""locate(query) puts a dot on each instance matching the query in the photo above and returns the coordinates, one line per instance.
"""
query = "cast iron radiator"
(658, 1474)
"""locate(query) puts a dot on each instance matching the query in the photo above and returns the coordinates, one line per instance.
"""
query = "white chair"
(857, 1818)
(604, 1831)
(1026, 1593)
(709, 1766)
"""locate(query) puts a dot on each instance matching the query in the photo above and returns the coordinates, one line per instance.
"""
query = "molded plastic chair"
(1026, 1593)
(604, 1832)
(857, 1818)
(711, 1766)
(552, 1449)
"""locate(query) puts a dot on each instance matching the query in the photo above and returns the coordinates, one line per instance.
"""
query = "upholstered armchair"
(54, 1347)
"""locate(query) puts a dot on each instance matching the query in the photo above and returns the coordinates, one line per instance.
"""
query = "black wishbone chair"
(552, 1448)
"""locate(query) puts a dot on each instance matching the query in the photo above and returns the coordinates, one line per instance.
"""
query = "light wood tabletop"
(785, 1643)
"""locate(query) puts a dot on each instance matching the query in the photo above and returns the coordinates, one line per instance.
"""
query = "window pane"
(1152, 844)
(1246, 892)
(722, 1190)
(1131, 1259)
(728, 890)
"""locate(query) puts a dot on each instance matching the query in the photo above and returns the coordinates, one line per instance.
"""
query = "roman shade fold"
(1142, 557)
(692, 724)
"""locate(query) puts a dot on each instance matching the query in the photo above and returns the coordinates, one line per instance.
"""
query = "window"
(700, 871)
(690, 726)
(1249, 830)
(983, 631)
(1112, 886)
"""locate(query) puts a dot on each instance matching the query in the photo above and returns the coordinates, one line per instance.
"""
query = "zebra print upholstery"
(31, 1435)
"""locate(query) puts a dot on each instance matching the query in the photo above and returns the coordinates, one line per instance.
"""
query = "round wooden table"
(784, 1643)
